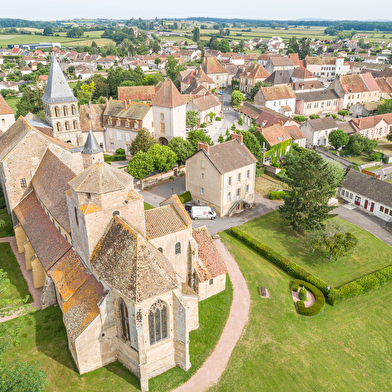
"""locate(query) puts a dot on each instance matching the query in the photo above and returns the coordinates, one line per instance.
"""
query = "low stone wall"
(370, 164)
(337, 158)
(272, 169)
(160, 177)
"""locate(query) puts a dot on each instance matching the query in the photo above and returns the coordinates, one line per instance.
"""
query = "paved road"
(212, 369)
(370, 223)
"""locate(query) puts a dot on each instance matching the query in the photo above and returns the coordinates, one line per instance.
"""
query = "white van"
(199, 212)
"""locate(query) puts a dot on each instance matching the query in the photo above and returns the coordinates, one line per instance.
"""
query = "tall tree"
(196, 34)
(385, 107)
(142, 142)
(338, 138)
(163, 157)
(195, 136)
(182, 148)
(141, 165)
(306, 203)
(293, 44)
(192, 118)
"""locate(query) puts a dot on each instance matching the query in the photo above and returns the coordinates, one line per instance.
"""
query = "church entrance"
(163, 141)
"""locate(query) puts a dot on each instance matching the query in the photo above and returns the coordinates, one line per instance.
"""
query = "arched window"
(73, 110)
(157, 322)
(65, 111)
(67, 126)
(59, 127)
(57, 111)
(75, 124)
(177, 248)
(124, 320)
(160, 249)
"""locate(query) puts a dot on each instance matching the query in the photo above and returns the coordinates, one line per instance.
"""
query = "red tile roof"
(4, 107)
(212, 66)
(275, 134)
(277, 92)
(168, 96)
(140, 93)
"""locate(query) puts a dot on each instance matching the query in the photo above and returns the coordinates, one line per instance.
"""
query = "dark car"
(189, 204)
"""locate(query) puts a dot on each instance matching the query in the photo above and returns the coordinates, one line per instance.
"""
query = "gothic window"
(177, 249)
(75, 124)
(73, 110)
(124, 320)
(59, 127)
(157, 322)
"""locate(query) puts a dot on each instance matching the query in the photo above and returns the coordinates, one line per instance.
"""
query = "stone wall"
(160, 177)
(206, 290)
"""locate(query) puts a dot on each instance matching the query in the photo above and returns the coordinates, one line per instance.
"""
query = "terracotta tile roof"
(91, 114)
(50, 183)
(48, 244)
(134, 111)
(68, 274)
(303, 73)
(372, 121)
(250, 110)
(100, 178)
(314, 60)
(321, 124)
(82, 308)
(277, 92)
(175, 201)
(156, 216)
(286, 108)
(139, 93)
(275, 134)
(212, 66)
(229, 156)
(294, 57)
(281, 61)
(386, 73)
(269, 117)
(206, 102)
(295, 132)
(384, 86)
(315, 96)
(370, 82)
(128, 263)
(352, 84)
(4, 107)
(210, 263)
(168, 96)
(307, 85)
(255, 71)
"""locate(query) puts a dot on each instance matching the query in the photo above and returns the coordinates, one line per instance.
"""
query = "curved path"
(35, 293)
(212, 369)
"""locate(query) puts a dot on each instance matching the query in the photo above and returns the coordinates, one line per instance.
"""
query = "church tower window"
(57, 111)
(65, 111)
(75, 124)
(73, 110)
(177, 249)
(58, 127)
(124, 320)
(157, 322)
(67, 127)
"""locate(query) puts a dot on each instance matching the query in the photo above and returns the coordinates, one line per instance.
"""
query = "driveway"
(370, 223)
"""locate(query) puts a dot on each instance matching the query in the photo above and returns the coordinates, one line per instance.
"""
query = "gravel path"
(212, 369)
(36, 293)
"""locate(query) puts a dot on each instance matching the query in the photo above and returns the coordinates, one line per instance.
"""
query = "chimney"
(106, 103)
(125, 105)
(205, 146)
(379, 176)
(237, 136)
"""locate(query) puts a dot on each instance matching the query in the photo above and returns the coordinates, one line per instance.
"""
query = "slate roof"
(4, 107)
(100, 178)
(210, 263)
(91, 146)
(134, 111)
(277, 92)
(129, 264)
(48, 244)
(156, 216)
(229, 156)
(315, 96)
(371, 187)
(57, 89)
(168, 96)
(50, 183)
(139, 93)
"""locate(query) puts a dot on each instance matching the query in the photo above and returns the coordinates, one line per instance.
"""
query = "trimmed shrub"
(285, 264)
(184, 197)
(277, 195)
(111, 158)
(218, 119)
(319, 304)
(171, 178)
(203, 125)
(300, 118)
(303, 294)
(334, 116)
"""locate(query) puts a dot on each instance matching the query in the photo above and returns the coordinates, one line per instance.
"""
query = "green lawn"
(148, 206)
(43, 338)
(345, 348)
(370, 255)
(359, 160)
(373, 168)
(12, 102)
(8, 263)
(8, 229)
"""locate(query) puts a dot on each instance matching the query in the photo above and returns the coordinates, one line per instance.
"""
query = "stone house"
(7, 116)
(215, 71)
(251, 75)
(278, 98)
(279, 63)
(327, 66)
(222, 176)
(204, 105)
(316, 102)
(136, 93)
(367, 193)
(318, 130)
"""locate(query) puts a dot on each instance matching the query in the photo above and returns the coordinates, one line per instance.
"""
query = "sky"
(252, 9)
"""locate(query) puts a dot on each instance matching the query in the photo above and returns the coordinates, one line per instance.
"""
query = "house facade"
(373, 127)
(7, 116)
(316, 102)
(318, 130)
(276, 98)
(253, 74)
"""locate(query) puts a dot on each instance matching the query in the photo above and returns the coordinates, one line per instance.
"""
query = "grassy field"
(17, 286)
(265, 184)
(370, 255)
(8, 229)
(345, 348)
(148, 206)
(359, 160)
(43, 338)
(12, 102)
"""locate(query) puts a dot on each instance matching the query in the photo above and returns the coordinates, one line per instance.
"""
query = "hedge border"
(184, 197)
(319, 304)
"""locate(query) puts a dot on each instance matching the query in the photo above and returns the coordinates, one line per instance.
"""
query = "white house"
(279, 98)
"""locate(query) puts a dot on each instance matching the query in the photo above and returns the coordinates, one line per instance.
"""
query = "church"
(128, 281)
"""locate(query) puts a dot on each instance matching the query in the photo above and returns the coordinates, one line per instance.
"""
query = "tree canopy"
(163, 157)
(385, 107)
(198, 135)
(338, 138)
(141, 165)
(142, 142)
(182, 148)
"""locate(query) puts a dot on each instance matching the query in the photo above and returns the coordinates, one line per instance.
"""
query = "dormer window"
(109, 121)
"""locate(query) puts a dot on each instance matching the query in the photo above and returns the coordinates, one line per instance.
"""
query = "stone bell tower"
(61, 107)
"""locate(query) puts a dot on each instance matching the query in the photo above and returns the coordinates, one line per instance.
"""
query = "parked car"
(220, 92)
(199, 212)
(189, 204)
(205, 130)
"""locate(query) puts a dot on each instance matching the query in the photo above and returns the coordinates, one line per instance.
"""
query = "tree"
(237, 97)
(314, 116)
(157, 61)
(172, 68)
(143, 142)
(198, 135)
(385, 107)
(163, 157)
(293, 45)
(252, 143)
(256, 88)
(355, 144)
(71, 69)
(75, 32)
(338, 138)
(306, 202)
(389, 136)
(221, 139)
(141, 165)
(335, 239)
(47, 31)
(30, 102)
(224, 46)
(196, 34)
(192, 118)
(240, 121)
(305, 49)
(182, 148)
(336, 173)
(343, 113)
(211, 116)
(369, 144)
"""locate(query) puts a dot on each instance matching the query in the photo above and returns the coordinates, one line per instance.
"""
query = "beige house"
(204, 105)
(216, 72)
(7, 116)
(318, 130)
(222, 176)
(252, 74)
(316, 102)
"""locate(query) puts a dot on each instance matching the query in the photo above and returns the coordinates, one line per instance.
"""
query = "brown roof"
(386, 73)
(100, 178)
(372, 121)
(212, 66)
(370, 82)
(134, 111)
(48, 244)
(250, 110)
(303, 73)
(285, 61)
(294, 57)
(4, 107)
(50, 183)
(210, 263)
(277, 92)
(206, 102)
(321, 124)
(168, 215)
(295, 132)
(384, 85)
(275, 134)
(168, 96)
(269, 117)
(128, 263)
(255, 71)
(353, 84)
(307, 85)
(229, 156)
(91, 114)
(140, 93)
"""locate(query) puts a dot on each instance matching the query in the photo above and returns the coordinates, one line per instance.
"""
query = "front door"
(372, 207)
(366, 204)
(357, 201)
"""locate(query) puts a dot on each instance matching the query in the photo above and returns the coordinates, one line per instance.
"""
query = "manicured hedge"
(184, 197)
(317, 307)
(277, 195)
(365, 284)
(110, 158)
(284, 263)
